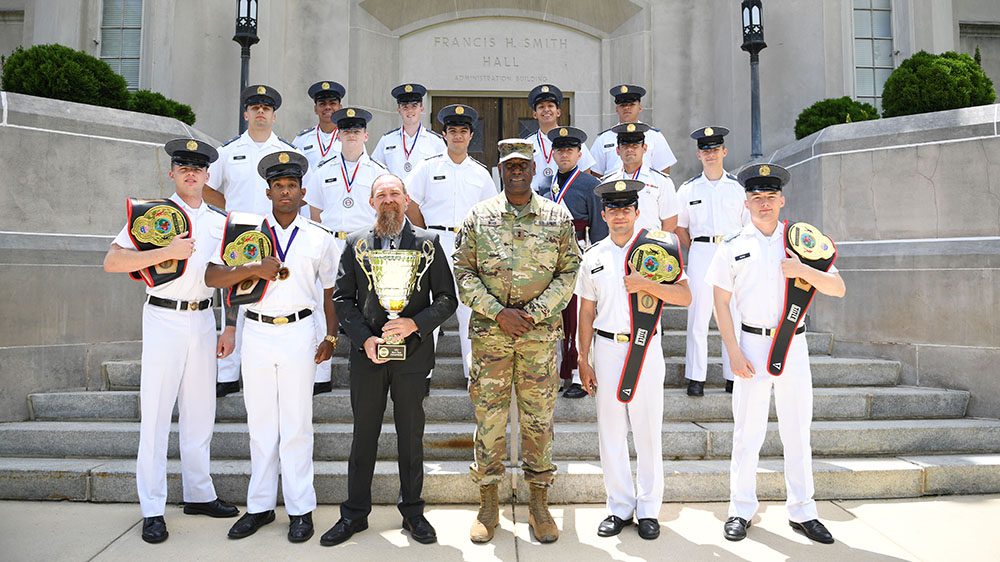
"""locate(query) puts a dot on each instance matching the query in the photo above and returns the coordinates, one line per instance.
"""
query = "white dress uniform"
(278, 370)
(657, 201)
(178, 365)
(601, 279)
(235, 175)
(400, 153)
(316, 145)
(715, 210)
(748, 265)
(545, 164)
(605, 152)
(446, 192)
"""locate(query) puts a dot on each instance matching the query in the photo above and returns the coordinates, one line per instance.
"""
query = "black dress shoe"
(420, 529)
(735, 528)
(226, 388)
(575, 391)
(301, 527)
(729, 387)
(814, 530)
(696, 388)
(343, 530)
(612, 525)
(649, 528)
(249, 523)
(154, 529)
(321, 387)
(214, 508)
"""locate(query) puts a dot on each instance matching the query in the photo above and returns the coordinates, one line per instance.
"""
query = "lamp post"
(753, 43)
(246, 35)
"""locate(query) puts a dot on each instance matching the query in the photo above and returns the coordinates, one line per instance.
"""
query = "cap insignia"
(351, 113)
(545, 89)
(407, 88)
(191, 145)
(283, 158)
(325, 85)
(261, 90)
(709, 132)
(563, 132)
(459, 110)
(623, 89)
(620, 186)
(630, 128)
(764, 170)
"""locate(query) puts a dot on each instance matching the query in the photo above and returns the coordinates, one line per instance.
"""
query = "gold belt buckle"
(622, 338)
(193, 305)
(716, 239)
(280, 321)
(342, 235)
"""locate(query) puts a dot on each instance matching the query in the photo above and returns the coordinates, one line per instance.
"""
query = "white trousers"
(229, 366)
(178, 364)
(463, 313)
(793, 402)
(700, 313)
(278, 371)
(644, 414)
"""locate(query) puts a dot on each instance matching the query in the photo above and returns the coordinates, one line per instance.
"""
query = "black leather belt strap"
(279, 320)
(178, 305)
(711, 239)
(768, 332)
(454, 229)
(620, 338)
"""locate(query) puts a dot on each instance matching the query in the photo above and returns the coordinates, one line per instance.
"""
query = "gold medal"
(283, 273)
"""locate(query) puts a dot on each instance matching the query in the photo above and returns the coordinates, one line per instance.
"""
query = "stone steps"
(573, 440)
(453, 405)
(446, 482)
(826, 370)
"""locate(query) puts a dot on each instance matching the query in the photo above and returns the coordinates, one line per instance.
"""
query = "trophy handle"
(428, 250)
(361, 253)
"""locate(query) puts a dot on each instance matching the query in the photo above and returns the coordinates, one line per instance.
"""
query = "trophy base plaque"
(391, 352)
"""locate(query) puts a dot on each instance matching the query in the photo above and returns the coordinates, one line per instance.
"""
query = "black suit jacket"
(430, 304)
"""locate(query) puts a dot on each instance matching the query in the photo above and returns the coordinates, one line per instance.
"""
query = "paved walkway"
(926, 529)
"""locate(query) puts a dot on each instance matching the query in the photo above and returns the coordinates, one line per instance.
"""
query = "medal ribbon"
(565, 188)
(348, 183)
(282, 252)
(323, 151)
(635, 176)
(416, 137)
(541, 143)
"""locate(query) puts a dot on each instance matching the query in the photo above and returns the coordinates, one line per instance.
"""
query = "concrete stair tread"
(577, 482)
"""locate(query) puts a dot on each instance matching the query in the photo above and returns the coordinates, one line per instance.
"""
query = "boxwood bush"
(926, 82)
(832, 111)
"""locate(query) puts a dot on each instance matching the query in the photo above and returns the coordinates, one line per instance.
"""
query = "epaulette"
(378, 164)
(528, 136)
(218, 210)
(608, 130)
(334, 157)
(435, 156)
(306, 130)
(661, 173)
(288, 143)
(589, 248)
(435, 133)
(732, 177)
(732, 237)
(691, 180)
(606, 176)
(478, 162)
(652, 128)
(230, 141)
(320, 225)
(392, 131)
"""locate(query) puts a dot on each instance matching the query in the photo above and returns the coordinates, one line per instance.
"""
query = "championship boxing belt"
(817, 251)
(247, 239)
(152, 224)
(655, 255)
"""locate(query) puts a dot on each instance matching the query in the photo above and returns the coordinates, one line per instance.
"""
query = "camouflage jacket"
(528, 259)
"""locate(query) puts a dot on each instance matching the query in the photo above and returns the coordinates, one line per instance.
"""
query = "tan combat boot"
(539, 518)
(489, 514)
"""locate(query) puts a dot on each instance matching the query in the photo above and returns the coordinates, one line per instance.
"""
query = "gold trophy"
(394, 275)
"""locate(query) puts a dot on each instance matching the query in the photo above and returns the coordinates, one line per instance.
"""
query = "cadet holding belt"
(624, 281)
(281, 350)
(178, 334)
(751, 268)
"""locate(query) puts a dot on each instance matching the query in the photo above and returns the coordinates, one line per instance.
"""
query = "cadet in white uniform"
(712, 208)
(234, 185)
(604, 289)
(401, 149)
(546, 102)
(443, 189)
(751, 268)
(658, 203)
(282, 351)
(337, 192)
(178, 348)
(628, 105)
(321, 141)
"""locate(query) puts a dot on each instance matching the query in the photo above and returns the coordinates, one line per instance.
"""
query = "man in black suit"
(366, 324)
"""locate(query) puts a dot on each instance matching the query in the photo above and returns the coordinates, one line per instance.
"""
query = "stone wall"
(914, 204)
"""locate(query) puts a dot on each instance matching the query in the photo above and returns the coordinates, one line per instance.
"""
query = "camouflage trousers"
(499, 363)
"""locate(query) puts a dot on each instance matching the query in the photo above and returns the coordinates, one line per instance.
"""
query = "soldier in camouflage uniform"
(516, 261)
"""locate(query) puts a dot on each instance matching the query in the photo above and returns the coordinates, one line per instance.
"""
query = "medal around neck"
(394, 274)
(152, 224)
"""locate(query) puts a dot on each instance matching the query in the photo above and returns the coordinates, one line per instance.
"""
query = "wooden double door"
(500, 117)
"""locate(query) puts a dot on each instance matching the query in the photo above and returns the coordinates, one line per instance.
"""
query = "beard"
(389, 220)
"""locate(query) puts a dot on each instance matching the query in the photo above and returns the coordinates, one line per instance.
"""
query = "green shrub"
(833, 111)
(145, 101)
(926, 82)
(58, 72)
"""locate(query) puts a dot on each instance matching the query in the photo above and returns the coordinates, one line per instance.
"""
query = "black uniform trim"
(480, 163)
(435, 133)
(435, 156)
(320, 225)
(334, 157)
(661, 173)
(230, 141)
(392, 131)
(306, 130)
(691, 180)
(218, 210)
(732, 177)
(288, 143)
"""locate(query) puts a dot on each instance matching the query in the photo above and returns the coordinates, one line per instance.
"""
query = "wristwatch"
(331, 339)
